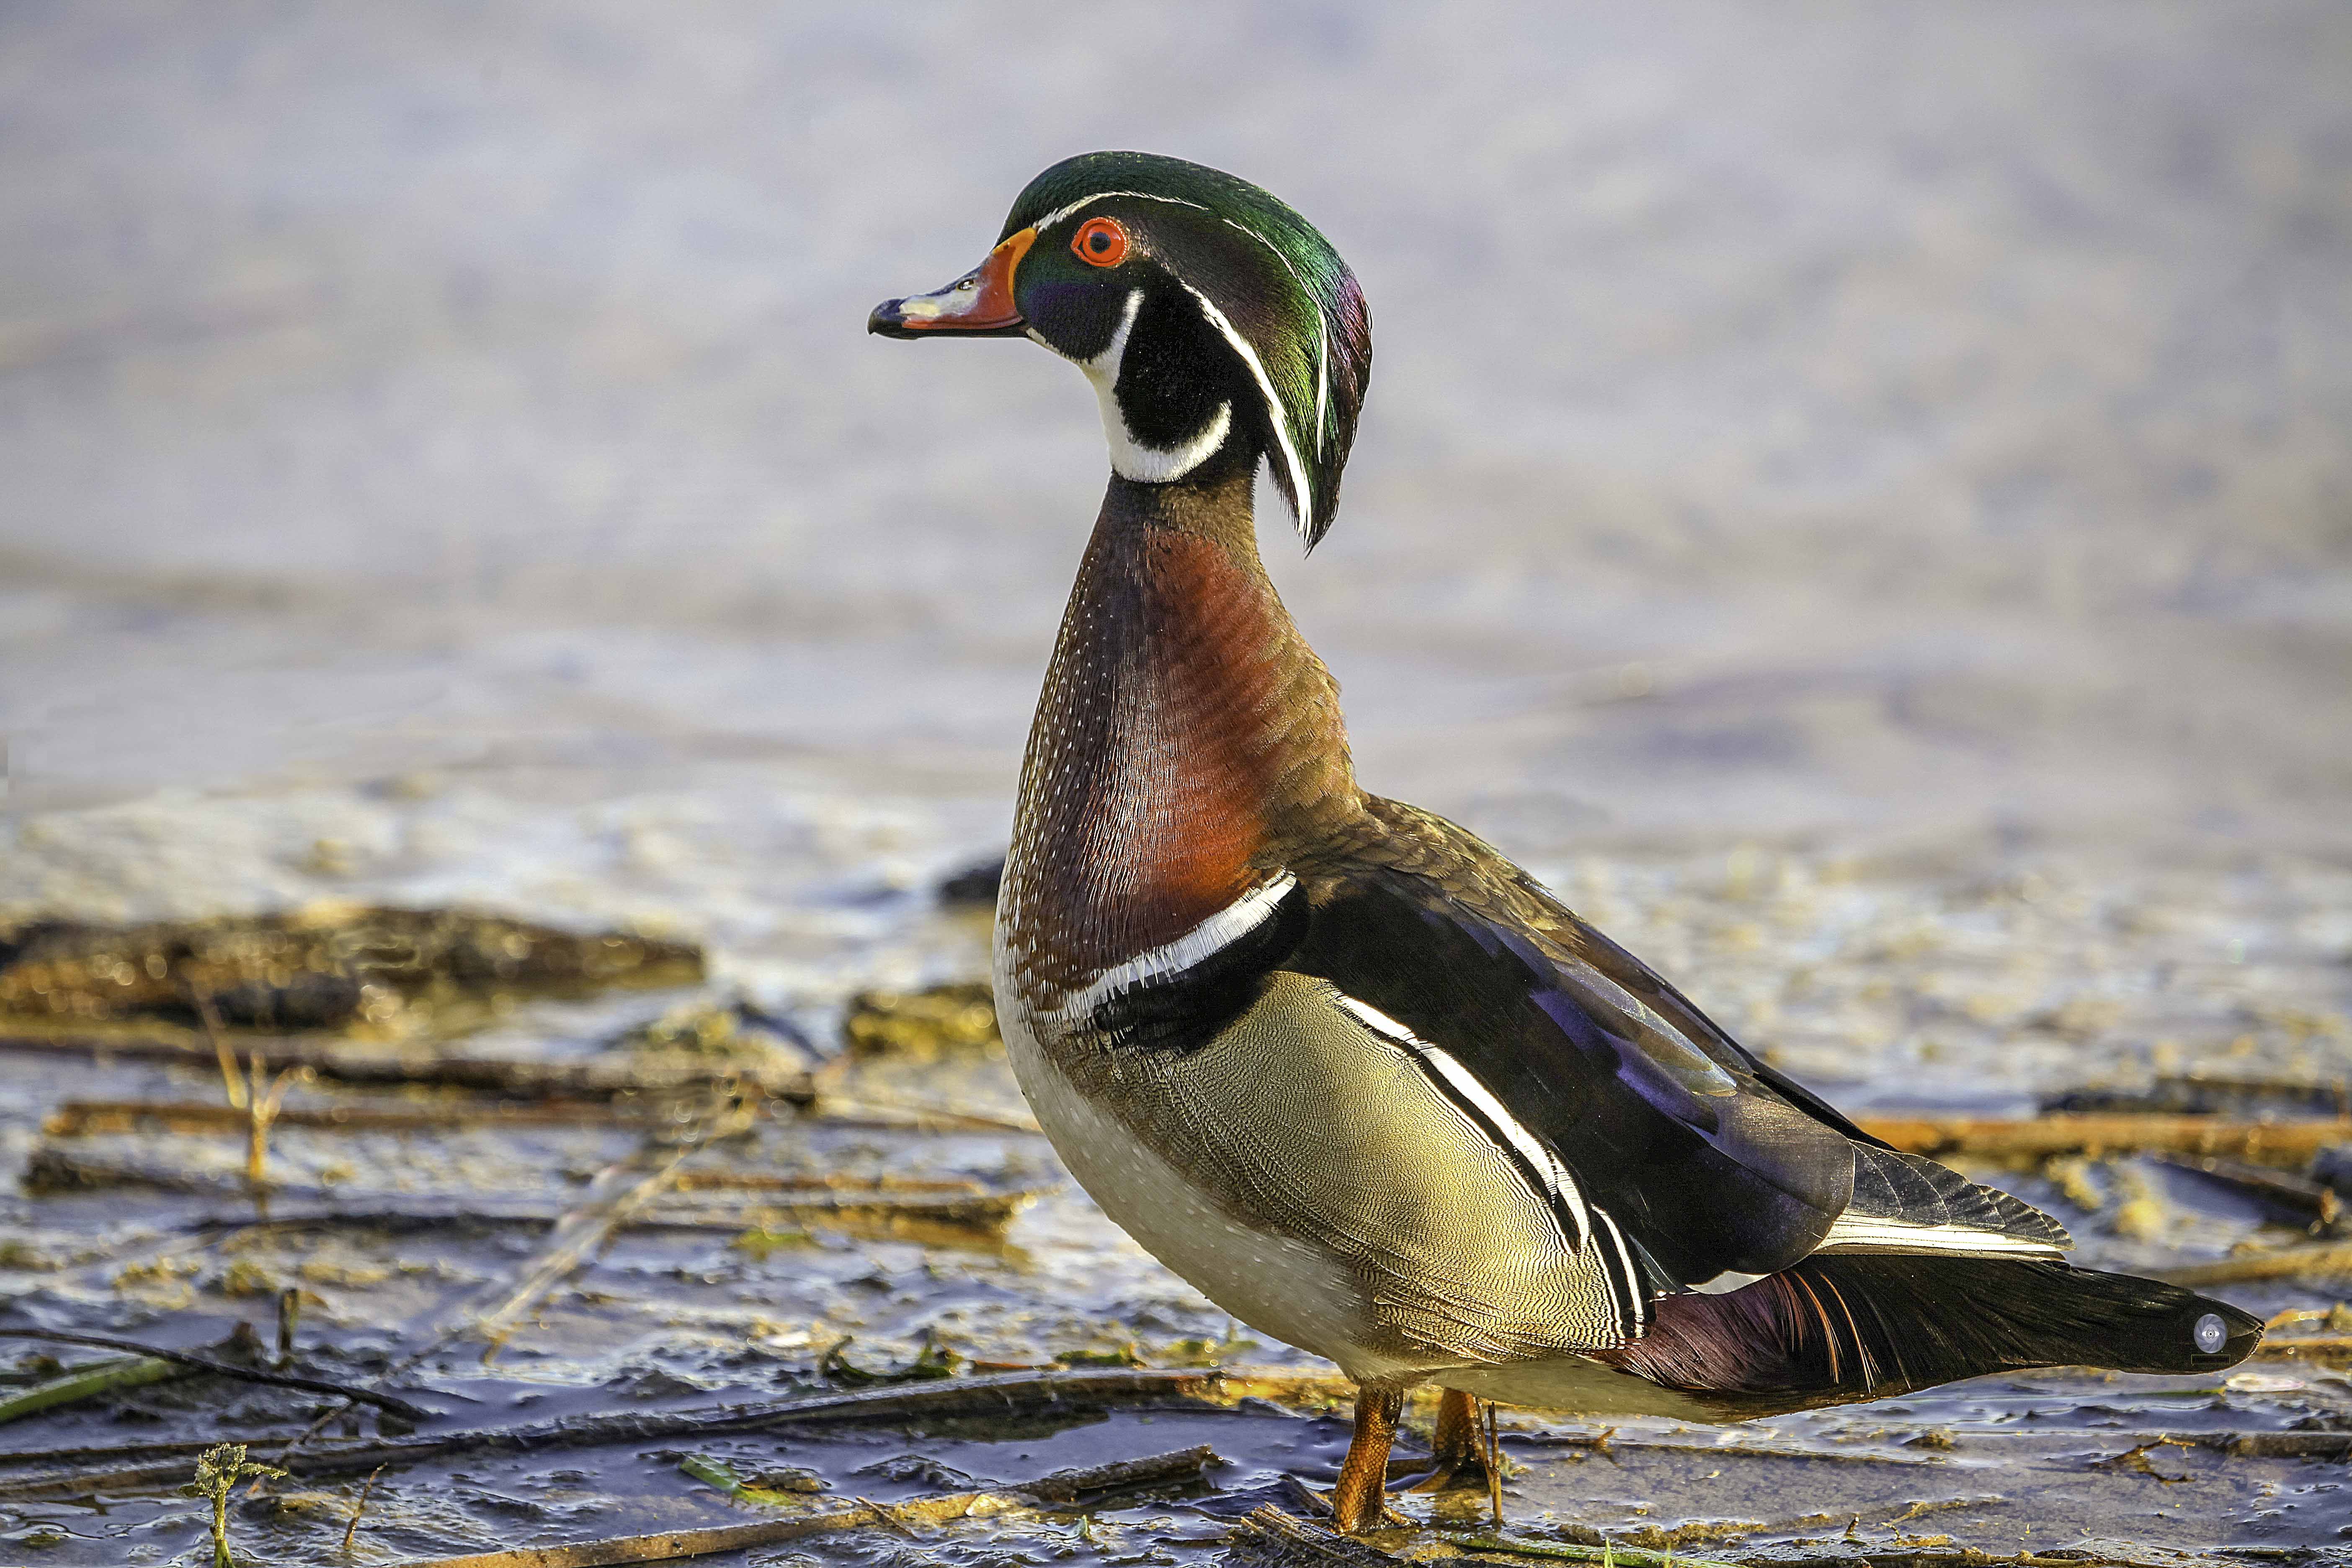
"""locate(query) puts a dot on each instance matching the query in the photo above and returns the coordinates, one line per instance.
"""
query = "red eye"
(1100, 242)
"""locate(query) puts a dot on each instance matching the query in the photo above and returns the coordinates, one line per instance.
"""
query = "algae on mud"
(390, 972)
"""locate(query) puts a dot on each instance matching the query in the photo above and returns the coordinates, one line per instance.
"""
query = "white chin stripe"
(1204, 941)
(1863, 1233)
(1131, 458)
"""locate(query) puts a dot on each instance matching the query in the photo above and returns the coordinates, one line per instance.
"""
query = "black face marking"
(1077, 316)
(1178, 370)
(1186, 1010)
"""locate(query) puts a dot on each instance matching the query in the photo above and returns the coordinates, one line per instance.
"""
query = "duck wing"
(1717, 1169)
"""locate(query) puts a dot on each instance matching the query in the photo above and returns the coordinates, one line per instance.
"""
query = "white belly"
(1277, 1286)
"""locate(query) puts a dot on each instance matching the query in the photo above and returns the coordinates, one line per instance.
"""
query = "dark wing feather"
(1695, 1149)
(1637, 979)
(1711, 1161)
(1889, 1185)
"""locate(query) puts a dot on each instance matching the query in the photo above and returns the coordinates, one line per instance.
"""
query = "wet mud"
(608, 1308)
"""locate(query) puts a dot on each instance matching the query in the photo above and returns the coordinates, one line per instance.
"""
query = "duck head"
(1216, 324)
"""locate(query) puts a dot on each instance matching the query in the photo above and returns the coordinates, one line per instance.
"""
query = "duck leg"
(1456, 1451)
(1357, 1497)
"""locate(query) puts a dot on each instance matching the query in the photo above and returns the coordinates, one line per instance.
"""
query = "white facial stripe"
(1870, 1233)
(1131, 458)
(1466, 1086)
(1058, 214)
(1211, 936)
(1322, 329)
(1322, 337)
(1115, 427)
(1302, 493)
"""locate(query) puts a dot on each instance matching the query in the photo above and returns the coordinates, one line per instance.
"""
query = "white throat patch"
(1131, 458)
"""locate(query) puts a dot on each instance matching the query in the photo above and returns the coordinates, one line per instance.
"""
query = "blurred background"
(1900, 448)
(1858, 497)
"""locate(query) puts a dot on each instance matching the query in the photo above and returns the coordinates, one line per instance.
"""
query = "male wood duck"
(1358, 1079)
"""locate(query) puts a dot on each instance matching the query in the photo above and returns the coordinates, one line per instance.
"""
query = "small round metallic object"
(2210, 1333)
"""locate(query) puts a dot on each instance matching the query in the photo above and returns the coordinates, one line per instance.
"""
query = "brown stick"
(770, 1182)
(1491, 1455)
(2306, 1200)
(2274, 1142)
(2329, 1345)
(1001, 1395)
(84, 1118)
(209, 1017)
(360, 1512)
(1269, 1537)
(614, 1198)
(226, 1369)
(917, 1116)
(949, 1217)
(2288, 1263)
(265, 1104)
(1069, 1486)
(341, 1061)
(669, 1545)
(906, 1208)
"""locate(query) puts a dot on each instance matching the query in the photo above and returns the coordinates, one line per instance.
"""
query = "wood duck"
(1355, 1075)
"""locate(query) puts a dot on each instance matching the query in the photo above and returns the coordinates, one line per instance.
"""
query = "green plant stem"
(87, 1382)
(711, 1473)
(1624, 1557)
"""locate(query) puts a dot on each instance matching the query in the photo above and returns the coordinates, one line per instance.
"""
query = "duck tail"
(1865, 1326)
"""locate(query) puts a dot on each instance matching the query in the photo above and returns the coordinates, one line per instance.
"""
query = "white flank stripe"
(1865, 1233)
(1725, 1283)
(1220, 930)
(1464, 1083)
(1629, 1274)
(1302, 493)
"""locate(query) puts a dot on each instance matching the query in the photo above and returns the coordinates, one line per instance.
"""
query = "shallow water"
(1857, 500)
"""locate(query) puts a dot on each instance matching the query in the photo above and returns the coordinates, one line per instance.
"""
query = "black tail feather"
(1894, 1185)
(1838, 1328)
